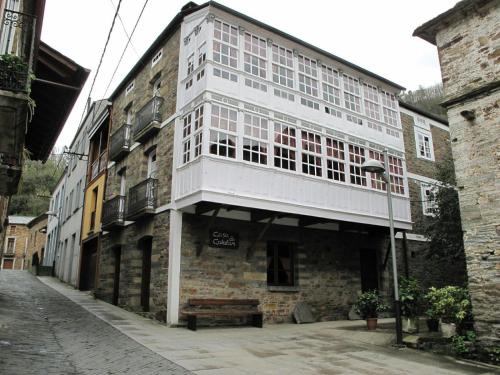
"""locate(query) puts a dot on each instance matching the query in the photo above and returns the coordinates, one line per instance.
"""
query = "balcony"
(142, 199)
(98, 165)
(16, 50)
(120, 143)
(148, 120)
(113, 215)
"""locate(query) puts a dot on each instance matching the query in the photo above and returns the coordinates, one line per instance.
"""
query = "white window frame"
(424, 133)
(282, 62)
(129, 88)
(157, 57)
(255, 55)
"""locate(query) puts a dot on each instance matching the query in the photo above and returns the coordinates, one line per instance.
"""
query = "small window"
(202, 54)
(156, 87)
(130, 87)
(423, 141)
(10, 245)
(429, 204)
(157, 57)
(280, 264)
(13, 229)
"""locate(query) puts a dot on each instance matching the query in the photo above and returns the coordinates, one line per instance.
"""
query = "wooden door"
(116, 281)
(8, 264)
(368, 269)
(146, 272)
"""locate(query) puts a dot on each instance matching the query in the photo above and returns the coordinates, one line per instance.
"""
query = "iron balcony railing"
(120, 142)
(142, 197)
(147, 117)
(17, 38)
(113, 211)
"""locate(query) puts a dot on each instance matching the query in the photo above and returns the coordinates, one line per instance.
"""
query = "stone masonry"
(136, 164)
(468, 38)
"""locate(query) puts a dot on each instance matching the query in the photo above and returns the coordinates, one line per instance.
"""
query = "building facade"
(16, 254)
(235, 171)
(467, 40)
(97, 133)
(427, 146)
(36, 241)
(54, 222)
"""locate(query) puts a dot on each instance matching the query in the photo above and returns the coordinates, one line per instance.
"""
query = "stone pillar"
(174, 267)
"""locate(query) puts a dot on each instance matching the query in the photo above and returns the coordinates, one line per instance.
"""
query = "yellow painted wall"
(100, 183)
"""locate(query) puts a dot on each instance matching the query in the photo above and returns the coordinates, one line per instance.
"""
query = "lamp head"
(373, 166)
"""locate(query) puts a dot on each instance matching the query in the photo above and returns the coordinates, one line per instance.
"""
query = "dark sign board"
(223, 239)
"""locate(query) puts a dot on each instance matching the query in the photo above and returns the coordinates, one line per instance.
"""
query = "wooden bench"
(203, 308)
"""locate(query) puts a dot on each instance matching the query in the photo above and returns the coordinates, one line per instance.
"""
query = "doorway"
(88, 266)
(116, 278)
(368, 269)
(145, 246)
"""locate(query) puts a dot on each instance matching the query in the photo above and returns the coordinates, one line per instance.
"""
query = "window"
(352, 94)
(280, 264)
(156, 87)
(356, 159)
(190, 64)
(335, 160)
(390, 109)
(130, 87)
(11, 245)
(200, 74)
(255, 84)
(256, 136)
(225, 74)
(284, 95)
(396, 175)
(372, 107)
(226, 37)
(284, 146)
(309, 103)
(376, 179)
(186, 138)
(429, 204)
(423, 140)
(334, 112)
(282, 66)
(156, 57)
(13, 229)
(202, 54)
(152, 165)
(123, 181)
(255, 55)
(198, 127)
(221, 143)
(311, 153)
(308, 74)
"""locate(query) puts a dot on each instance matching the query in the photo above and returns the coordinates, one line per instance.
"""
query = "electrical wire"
(126, 46)
(124, 29)
(102, 55)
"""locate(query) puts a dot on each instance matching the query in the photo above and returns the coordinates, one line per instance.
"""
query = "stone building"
(427, 144)
(36, 241)
(235, 172)
(467, 37)
(15, 247)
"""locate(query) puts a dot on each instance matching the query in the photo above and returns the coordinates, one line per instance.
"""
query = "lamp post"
(375, 166)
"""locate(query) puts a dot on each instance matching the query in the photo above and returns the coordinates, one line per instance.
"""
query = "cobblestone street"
(43, 332)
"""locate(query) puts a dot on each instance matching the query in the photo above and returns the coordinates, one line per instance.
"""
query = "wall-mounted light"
(469, 115)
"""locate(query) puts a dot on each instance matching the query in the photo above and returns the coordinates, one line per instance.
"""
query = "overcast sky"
(375, 35)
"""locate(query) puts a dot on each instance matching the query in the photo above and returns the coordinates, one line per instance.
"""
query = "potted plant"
(368, 306)
(451, 305)
(411, 298)
(14, 72)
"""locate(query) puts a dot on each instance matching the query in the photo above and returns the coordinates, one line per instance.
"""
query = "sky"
(376, 35)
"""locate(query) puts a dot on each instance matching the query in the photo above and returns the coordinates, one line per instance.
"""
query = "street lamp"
(375, 166)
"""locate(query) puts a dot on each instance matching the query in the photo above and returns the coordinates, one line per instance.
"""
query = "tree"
(35, 188)
(444, 229)
(428, 99)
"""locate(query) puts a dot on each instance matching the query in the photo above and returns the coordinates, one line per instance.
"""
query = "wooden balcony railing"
(120, 143)
(142, 199)
(148, 119)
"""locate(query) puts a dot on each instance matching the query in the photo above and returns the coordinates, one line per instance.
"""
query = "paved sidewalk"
(42, 332)
(320, 348)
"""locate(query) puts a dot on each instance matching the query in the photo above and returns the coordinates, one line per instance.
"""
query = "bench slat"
(222, 302)
(220, 313)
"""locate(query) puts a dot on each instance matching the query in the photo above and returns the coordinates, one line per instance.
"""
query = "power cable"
(126, 46)
(124, 29)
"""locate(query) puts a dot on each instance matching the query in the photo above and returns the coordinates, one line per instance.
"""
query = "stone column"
(174, 267)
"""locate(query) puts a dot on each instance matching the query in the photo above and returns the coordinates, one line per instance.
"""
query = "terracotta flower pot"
(371, 323)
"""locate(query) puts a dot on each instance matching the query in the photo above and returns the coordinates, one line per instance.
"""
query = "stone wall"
(469, 51)
(476, 153)
(327, 267)
(21, 233)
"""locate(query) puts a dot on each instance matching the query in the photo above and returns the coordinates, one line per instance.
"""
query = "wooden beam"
(250, 249)
(310, 220)
(204, 207)
(258, 215)
(210, 224)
